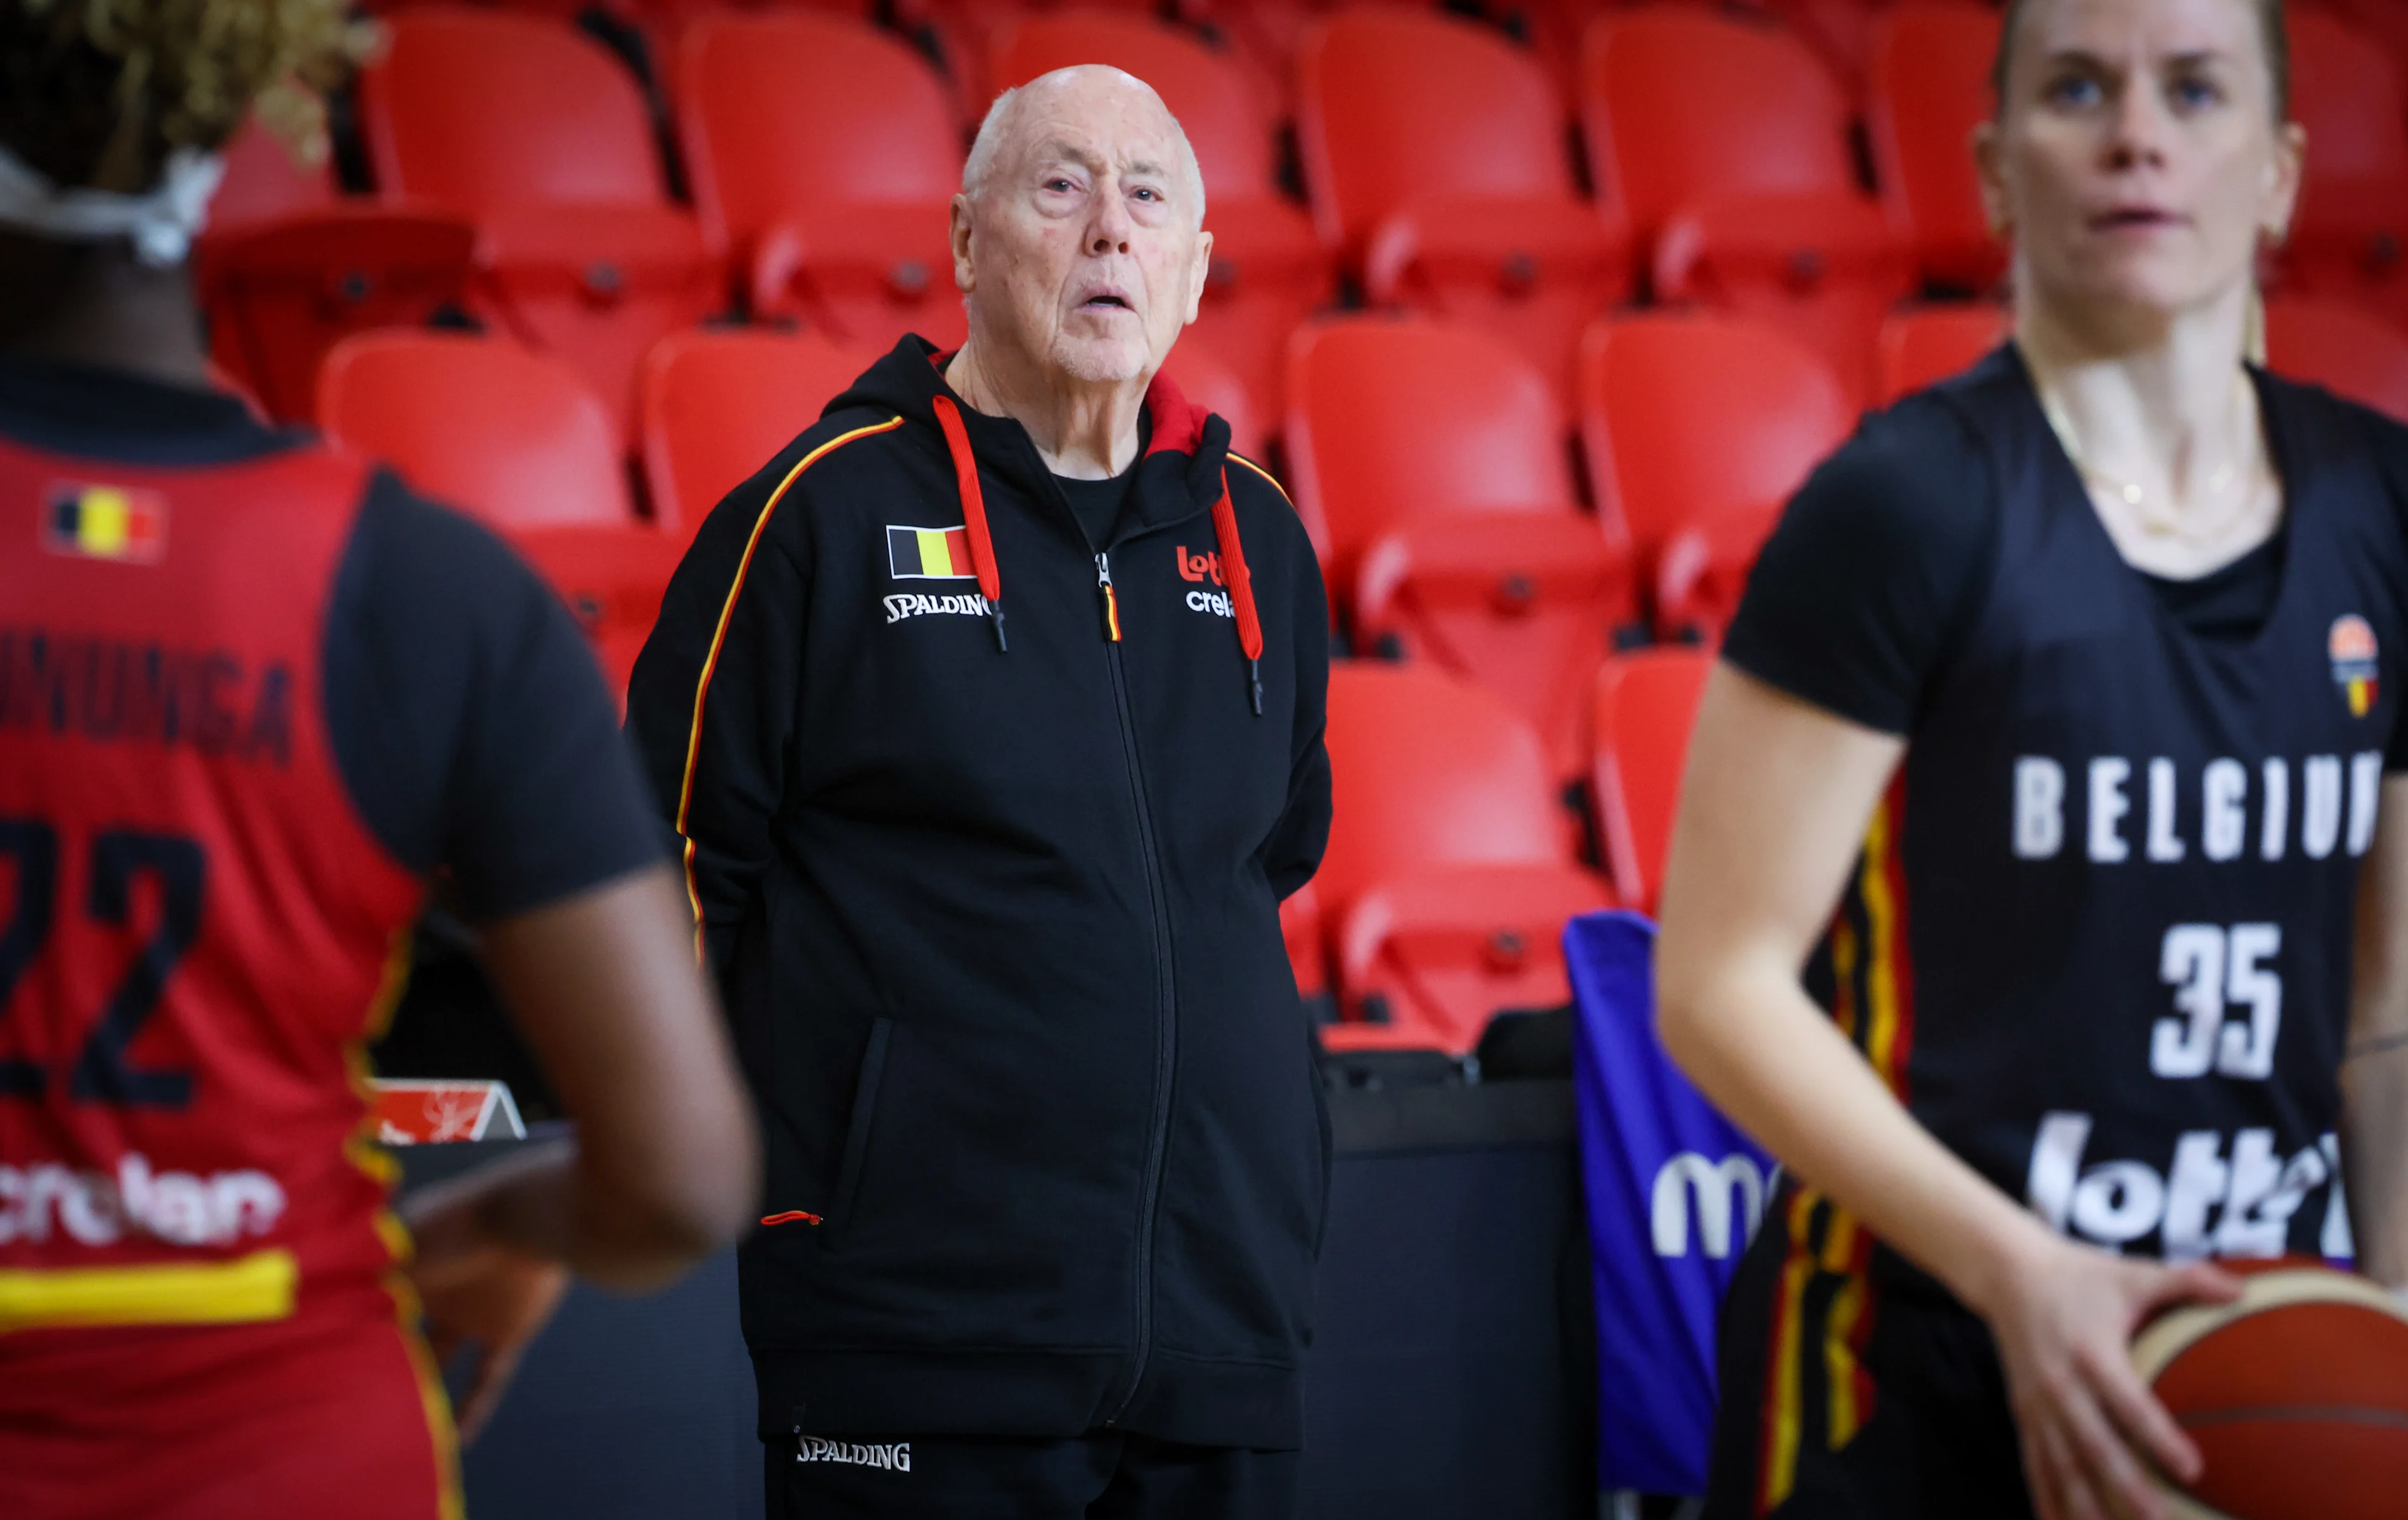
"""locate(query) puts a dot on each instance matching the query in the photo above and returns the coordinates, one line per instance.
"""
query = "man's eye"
(1057, 182)
(1149, 194)
(2196, 94)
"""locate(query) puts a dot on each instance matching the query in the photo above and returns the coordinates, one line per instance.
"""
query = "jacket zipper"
(1165, 1005)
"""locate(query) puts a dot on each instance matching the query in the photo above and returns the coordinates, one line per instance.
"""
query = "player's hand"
(478, 1290)
(2064, 1317)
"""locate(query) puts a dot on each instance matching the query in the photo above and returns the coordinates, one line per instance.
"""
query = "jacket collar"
(1186, 451)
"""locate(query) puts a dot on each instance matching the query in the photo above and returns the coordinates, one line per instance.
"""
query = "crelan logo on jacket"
(928, 553)
(2355, 666)
(105, 521)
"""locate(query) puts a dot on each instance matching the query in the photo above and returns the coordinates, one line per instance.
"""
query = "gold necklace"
(2162, 517)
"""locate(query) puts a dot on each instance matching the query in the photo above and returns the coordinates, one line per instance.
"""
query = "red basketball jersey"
(198, 932)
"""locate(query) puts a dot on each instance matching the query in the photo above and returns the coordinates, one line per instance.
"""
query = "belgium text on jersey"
(893, 1457)
(2232, 808)
(109, 691)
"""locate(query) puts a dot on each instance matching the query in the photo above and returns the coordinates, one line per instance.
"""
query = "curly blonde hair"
(96, 93)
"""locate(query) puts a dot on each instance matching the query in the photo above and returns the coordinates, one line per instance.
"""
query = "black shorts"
(1853, 1390)
(1101, 1476)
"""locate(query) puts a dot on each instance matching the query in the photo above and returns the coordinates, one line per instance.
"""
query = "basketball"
(2297, 1394)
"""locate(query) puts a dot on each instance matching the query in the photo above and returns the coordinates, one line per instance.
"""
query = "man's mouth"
(1106, 301)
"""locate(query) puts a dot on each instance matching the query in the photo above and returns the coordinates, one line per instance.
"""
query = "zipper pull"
(1112, 603)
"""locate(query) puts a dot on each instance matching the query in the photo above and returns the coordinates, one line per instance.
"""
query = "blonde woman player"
(2068, 682)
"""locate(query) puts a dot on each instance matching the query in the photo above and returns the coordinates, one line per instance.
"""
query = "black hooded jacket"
(994, 905)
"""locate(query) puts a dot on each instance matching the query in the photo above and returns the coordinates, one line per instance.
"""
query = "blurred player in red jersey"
(253, 697)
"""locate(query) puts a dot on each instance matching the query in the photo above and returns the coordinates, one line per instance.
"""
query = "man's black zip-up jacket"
(994, 906)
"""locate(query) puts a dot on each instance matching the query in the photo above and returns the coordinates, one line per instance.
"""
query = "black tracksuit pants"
(1103, 1475)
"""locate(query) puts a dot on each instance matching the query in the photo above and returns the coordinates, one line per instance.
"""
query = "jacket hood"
(911, 379)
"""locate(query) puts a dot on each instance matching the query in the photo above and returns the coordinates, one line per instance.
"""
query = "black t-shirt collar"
(98, 413)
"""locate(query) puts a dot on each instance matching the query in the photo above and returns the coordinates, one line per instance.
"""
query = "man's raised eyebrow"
(1055, 150)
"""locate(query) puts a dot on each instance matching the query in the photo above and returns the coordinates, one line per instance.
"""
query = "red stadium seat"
(1925, 345)
(612, 580)
(514, 438)
(1687, 420)
(288, 267)
(1839, 33)
(1646, 703)
(1727, 144)
(1430, 462)
(1927, 86)
(823, 157)
(1270, 270)
(542, 138)
(2386, 21)
(1436, 154)
(1308, 949)
(2349, 240)
(1450, 874)
(663, 22)
(518, 441)
(2341, 349)
(1203, 379)
(718, 404)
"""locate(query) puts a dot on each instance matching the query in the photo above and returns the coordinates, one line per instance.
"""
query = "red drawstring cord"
(990, 579)
(1242, 589)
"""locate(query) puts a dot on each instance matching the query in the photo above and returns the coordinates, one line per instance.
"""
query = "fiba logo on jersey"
(2352, 646)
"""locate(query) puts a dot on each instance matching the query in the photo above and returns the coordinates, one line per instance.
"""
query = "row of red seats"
(1428, 462)
(1451, 871)
(518, 438)
(821, 154)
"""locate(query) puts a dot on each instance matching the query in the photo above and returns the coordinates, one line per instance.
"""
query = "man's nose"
(1108, 228)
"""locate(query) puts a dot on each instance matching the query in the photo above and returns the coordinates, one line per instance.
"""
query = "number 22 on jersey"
(120, 859)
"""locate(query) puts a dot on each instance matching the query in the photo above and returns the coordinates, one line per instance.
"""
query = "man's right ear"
(958, 232)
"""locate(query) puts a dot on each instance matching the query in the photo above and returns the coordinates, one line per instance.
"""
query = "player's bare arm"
(606, 987)
(665, 1166)
(1773, 812)
(2375, 1071)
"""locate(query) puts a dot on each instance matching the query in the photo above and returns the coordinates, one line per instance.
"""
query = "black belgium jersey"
(2100, 936)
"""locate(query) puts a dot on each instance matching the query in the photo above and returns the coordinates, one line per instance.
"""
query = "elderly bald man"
(990, 714)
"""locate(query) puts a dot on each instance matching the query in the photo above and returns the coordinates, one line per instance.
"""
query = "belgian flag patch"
(928, 553)
(105, 521)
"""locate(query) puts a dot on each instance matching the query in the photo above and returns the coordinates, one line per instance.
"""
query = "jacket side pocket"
(856, 1133)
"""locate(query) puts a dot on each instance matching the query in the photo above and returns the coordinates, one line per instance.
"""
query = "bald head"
(1083, 92)
(1079, 240)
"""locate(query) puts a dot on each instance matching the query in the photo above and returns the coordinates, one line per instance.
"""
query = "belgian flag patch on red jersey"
(105, 521)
